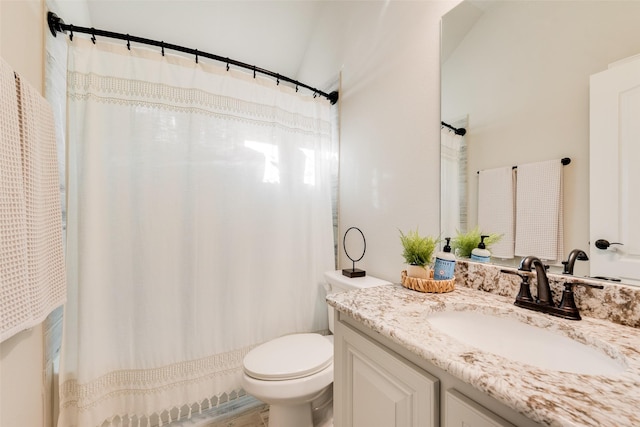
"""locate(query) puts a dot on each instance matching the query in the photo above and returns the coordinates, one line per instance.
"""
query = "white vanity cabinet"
(375, 388)
(378, 383)
(460, 411)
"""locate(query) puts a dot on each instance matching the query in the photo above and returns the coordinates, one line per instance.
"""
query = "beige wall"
(21, 357)
(22, 25)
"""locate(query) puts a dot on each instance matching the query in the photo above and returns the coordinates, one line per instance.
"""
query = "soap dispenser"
(445, 263)
(481, 253)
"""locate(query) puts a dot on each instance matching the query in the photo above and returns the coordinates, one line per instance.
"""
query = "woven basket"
(427, 285)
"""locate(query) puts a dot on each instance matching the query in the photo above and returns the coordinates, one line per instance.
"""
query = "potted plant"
(464, 243)
(417, 252)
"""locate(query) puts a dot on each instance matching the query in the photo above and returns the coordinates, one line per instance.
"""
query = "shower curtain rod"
(57, 25)
(458, 131)
(565, 161)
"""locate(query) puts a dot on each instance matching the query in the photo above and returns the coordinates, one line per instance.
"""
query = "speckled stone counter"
(615, 302)
(547, 397)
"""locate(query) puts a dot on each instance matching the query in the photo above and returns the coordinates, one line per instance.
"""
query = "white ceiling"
(269, 34)
(307, 40)
(460, 19)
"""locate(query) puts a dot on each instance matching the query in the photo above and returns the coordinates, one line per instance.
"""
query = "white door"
(615, 171)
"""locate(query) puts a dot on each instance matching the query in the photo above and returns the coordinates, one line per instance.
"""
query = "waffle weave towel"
(32, 273)
(539, 210)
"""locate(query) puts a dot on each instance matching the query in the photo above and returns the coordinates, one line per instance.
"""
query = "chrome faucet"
(576, 254)
(544, 300)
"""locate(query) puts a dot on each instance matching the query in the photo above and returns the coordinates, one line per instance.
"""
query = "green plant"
(464, 243)
(417, 250)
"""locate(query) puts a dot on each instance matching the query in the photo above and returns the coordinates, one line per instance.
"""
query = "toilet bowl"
(291, 372)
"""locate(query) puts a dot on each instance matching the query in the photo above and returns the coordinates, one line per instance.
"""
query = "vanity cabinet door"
(460, 411)
(376, 388)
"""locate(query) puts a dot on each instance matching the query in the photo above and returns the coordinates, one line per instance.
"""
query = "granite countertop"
(548, 397)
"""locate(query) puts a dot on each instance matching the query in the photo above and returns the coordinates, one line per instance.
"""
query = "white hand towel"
(496, 208)
(539, 210)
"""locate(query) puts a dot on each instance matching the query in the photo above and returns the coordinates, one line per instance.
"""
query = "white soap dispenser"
(445, 263)
(481, 253)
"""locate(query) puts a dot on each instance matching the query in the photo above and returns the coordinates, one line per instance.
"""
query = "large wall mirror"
(515, 75)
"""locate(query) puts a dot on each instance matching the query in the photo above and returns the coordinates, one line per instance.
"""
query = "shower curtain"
(453, 183)
(199, 225)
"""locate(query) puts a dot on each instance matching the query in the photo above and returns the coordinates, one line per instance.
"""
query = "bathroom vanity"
(394, 366)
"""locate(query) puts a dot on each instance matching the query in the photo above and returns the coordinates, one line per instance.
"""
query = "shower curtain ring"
(70, 32)
(93, 35)
(254, 71)
(162, 47)
(196, 56)
(128, 43)
(278, 80)
(227, 63)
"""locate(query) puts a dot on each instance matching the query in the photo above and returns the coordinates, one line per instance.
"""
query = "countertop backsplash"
(617, 303)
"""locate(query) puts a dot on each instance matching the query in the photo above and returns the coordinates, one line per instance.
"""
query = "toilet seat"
(289, 357)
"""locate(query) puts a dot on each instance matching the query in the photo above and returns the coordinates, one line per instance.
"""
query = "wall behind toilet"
(388, 54)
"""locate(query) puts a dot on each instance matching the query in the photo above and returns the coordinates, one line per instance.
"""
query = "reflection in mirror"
(516, 76)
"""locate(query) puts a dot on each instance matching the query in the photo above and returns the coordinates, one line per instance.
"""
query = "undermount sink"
(521, 342)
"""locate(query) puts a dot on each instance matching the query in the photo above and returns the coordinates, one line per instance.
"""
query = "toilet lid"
(289, 357)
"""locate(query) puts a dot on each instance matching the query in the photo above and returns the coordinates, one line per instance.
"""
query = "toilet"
(291, 372)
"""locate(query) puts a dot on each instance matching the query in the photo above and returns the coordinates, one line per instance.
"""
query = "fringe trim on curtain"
(88, 395)
(166, 417)
(85, 86)
(126, 384)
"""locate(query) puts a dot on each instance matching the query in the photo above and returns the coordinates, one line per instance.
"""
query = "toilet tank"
(337, 282)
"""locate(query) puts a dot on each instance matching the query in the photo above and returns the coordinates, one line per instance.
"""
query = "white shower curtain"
(199, 225)
(453, 183)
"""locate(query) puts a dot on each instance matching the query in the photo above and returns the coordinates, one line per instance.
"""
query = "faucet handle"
(525, 291)
(569, 283)
(520, 273)
(524, 294)
(568, 304)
